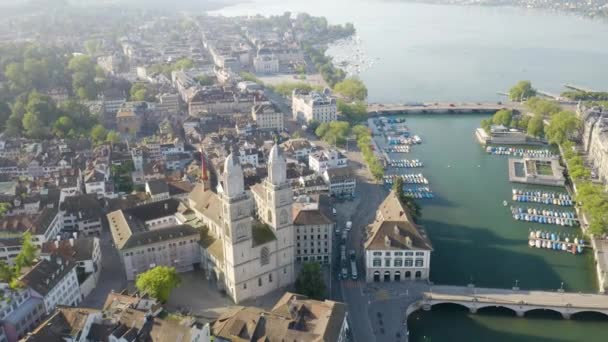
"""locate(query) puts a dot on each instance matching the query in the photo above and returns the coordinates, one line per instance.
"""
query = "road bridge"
(379, 109)
(519, 301)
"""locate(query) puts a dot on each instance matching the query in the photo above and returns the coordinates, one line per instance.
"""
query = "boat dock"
(380, 109)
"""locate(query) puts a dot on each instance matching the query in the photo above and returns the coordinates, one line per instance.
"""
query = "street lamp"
(561, 289)
(516, 287)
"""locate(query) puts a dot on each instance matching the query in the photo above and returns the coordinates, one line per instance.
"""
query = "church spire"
(277, 166)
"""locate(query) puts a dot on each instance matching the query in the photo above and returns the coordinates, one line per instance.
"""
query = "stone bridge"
(519, 301)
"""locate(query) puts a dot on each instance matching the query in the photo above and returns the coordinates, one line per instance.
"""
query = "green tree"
(521, 91)
(158, 282)
(310, 281)
(63, 126)
(204, 80)
(536, 126)
(7, 273)
(142, 92)
(99, 133)
(542, 107)
(354, 112)
(92, 46)
(83, 77)
(562, 126)
(503, 117)
(40, 114)
(5, 113)
(183, 64)
(352, 89)
(28, 253)
(113, 137)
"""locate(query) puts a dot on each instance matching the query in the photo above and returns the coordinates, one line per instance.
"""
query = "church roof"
(207, 203)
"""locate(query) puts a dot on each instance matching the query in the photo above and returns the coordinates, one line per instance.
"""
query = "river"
(451, 53)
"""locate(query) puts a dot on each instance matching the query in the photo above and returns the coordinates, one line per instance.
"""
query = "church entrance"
(377, 276)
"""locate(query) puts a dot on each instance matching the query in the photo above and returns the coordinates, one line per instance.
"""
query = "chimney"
(75, 235)
(56, 243)
(80, 214)
(58, 260)
(72, 242)
(166, 206)
(58, 237)
(408, 242)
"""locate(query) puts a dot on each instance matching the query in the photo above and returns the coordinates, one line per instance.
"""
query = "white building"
(84, 252)
(266, 62)
(266, 117)
(155, 234)
(340, 181)
(82, 214)
(248, 256)
(314, 106)
(55, 281)
(21, 310)
(396, 249)
(323, 160)
(95, 182)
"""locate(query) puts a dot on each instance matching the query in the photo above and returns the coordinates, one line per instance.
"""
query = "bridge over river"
(378, 109)
(520, 301)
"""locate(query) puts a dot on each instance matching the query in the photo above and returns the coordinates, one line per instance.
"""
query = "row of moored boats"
(398, 149)
(405, 163)
(542, 197)
(407, 179)
(404, 140)
(518, 152)
(419, 192)
(541, 239)
(560, 218)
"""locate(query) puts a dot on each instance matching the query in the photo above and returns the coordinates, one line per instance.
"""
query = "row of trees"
(325, 66)
(579, 95)
(364, 142)
(533, 126)
(335, 132)
(409, 202)
(287, 88)
(167, 68)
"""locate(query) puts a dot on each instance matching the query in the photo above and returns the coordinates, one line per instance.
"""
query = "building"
(44, 226)
(596, 144)
(55, 281)
(82, 214)
(308, 106)
(249, 255)
(152, 235)
(298, 149)
(85, 252)
(323, 160)
(21, 310)
(265, 62)
(95, 182)
(314, 232)
(396, 248)
(157, 190)
(267, 117)
(124, 318)
(293, 318)
(168, 103)
(341, 181)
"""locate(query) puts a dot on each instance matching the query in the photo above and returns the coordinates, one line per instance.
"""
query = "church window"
(269, 215)
(244, 286)
(264, 256)
(285, 270)
(259, 281)
(270, 278)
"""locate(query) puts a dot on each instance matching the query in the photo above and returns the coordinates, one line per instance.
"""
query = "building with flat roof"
(308, 106)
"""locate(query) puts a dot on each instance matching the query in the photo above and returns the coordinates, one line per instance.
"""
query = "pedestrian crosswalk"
(353, 284)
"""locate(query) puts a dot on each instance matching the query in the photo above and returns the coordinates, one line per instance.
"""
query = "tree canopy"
(503, 117)
(158, 282)
(354, 112)
(562, 126)
(542, 107)
(521, 91)
(287, 88)
(536, 126)
(334, 132)
(351, 89)
(310, 281)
